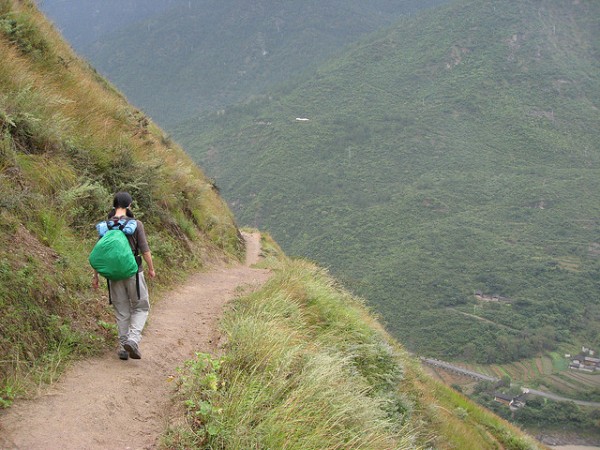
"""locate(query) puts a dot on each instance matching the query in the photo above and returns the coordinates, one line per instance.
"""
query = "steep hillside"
(455, 153)
(305, 365)
(201, 55)
(68, 141)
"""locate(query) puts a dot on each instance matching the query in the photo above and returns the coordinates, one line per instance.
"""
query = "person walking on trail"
(129, 296)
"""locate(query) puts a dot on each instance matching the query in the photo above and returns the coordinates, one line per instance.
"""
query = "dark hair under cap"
(122, 200)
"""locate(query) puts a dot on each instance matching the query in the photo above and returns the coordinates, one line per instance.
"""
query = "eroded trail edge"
(105, 403)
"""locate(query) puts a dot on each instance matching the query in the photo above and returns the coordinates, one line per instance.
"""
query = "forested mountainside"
(83, 22)
(447, 170)
(199, 56)
(68, 142)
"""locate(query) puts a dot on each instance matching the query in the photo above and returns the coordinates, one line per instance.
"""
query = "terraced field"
(549, 372)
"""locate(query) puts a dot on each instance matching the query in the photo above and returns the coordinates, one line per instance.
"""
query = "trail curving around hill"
(105, 403)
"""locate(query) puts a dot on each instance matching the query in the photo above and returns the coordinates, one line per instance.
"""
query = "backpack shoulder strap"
(128, 226)
(102, 228)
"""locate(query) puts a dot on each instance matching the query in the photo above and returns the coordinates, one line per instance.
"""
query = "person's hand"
(152, 273)
(95, 281)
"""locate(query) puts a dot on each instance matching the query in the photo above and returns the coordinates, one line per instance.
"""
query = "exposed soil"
(106, 403)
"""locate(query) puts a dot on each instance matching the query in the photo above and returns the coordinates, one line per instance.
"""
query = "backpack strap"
(137, 284)
(128, 227)
(137, 287)
(115, 224)
(122, 227)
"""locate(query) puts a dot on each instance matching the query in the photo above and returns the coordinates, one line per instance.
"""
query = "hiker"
(129, 297)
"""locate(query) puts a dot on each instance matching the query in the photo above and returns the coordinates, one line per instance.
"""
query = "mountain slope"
(457, 152)
(305, 365)
(68, 141)
(83, 22)
(201, 55)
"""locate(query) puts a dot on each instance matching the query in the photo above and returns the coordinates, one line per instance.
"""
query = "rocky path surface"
(105, 403)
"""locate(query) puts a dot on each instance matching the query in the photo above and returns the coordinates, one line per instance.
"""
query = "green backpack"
(112, 257)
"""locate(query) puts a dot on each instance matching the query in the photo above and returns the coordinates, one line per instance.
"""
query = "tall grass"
(306, 366)
(301, 370)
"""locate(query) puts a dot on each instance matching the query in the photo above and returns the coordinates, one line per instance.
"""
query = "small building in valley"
(585, 361)
(512, 401)
(495, 298)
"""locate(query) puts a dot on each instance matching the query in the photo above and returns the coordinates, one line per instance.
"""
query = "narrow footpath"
(105, 403)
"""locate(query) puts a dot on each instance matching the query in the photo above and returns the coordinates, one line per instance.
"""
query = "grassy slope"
(202, 55)
(455, 152)
(68, 141)
(307, 366)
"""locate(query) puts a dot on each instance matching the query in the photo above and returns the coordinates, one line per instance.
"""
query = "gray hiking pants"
(131, 313)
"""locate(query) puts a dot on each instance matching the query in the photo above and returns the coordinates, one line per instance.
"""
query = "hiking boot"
(123, 354)
(132, 349)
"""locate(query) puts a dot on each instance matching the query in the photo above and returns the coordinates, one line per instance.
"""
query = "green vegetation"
(202, 55)
(548, 414)
(68, 141)
(559, 362)
(306, 366)
(305, 363)
(540, 413)
(455, 152)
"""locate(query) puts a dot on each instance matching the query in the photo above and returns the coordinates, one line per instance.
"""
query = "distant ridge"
(457, 151)
(202, 55)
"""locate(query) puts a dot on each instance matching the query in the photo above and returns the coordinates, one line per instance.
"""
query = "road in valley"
(479, 376)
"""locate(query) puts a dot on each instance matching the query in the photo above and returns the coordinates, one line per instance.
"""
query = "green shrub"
(84, 203)
(24, 34)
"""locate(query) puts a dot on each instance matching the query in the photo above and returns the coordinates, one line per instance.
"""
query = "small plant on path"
(199, 380)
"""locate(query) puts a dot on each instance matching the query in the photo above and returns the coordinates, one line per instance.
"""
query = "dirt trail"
(105, 403)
